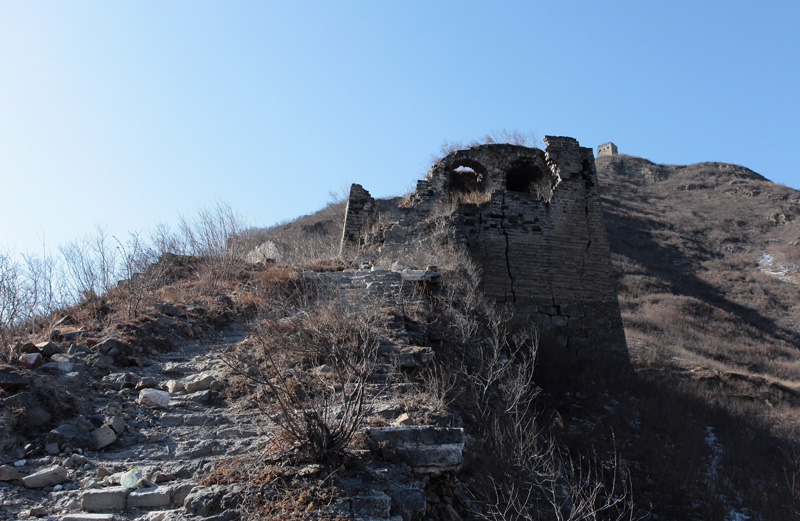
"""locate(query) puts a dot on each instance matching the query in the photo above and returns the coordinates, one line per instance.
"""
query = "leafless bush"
(143, 267)
(313, 369)
(549, 485)
(30, 288)
(91, 265)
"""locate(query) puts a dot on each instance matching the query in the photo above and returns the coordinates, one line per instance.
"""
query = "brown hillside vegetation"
(708, 256)
(707, 259)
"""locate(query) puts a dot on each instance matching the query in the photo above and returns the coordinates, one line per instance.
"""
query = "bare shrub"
(512, 137)
(313, 369)
(91, 265)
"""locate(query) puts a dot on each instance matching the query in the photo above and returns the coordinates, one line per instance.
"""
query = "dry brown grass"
(714, 340)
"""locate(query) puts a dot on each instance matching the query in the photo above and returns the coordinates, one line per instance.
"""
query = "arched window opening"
(528, 178)
(467, 182)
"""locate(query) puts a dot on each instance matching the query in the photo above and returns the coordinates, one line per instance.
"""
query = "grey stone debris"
(154, 398)
(104, 436)
(199, 382)
(48, 348)
(174, 386)
(8, 473)
(117, 423)
(68, 434)
(46, 478)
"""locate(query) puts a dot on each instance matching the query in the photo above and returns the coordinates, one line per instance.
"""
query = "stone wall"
(533, 221)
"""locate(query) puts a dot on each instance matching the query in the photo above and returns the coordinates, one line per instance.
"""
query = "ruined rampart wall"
(540, 239)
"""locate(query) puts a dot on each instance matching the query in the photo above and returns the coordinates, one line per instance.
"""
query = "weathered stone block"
(100, 500)
(9, 473)
(154, 398)
(200, 382)
(425, 448)
(48, 477)
(153, 497)
(104, 436)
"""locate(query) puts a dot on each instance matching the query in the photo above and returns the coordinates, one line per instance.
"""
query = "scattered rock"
(200, 396)
(147, 382)
(8, 473)
(117, 423)
(154, 398)
(104, 436)
(30, 360)
(404, 419)
(199, 382)
(27, 347)
(46, 478)
(108, 345)
(174, 386)
(120, 381)
(68, 434)
(64, 358)
(160, 477)
(99, 361)
(180, 493)
(77, 349)
(48, 348)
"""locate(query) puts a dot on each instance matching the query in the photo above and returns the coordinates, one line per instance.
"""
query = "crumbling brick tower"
(540, 237)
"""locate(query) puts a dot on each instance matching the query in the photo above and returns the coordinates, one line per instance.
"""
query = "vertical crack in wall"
(588, 237)
(505, 234)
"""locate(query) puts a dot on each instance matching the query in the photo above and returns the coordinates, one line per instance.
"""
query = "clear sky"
(125, 114)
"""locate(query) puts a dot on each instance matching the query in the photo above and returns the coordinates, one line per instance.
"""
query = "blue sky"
(126, 114)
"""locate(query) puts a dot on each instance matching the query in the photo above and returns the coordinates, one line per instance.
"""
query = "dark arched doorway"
(526, 177)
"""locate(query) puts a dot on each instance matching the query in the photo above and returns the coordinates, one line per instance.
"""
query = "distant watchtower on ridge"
(607, 149)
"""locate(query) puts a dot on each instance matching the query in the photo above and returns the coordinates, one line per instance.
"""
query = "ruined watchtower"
(532, 220)
(607, 149)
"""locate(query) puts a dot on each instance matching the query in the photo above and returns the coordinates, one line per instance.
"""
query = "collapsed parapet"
(360, 208)
(533, 221)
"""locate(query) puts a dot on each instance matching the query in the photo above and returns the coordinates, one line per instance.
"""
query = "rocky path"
(166, 420)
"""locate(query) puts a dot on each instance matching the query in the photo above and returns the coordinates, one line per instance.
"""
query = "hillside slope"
(707, 261)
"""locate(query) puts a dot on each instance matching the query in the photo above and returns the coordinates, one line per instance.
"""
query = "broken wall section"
(534, 223)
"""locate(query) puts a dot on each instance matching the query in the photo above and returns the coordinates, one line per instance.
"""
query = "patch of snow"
(767, 264)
